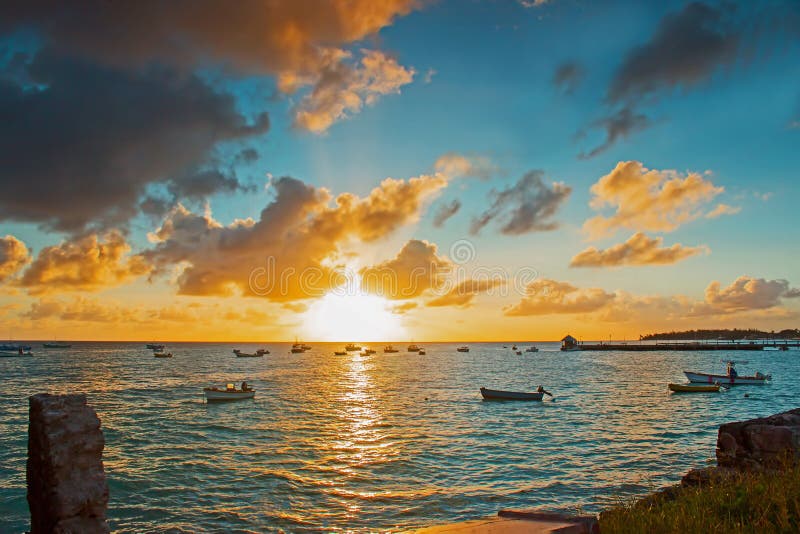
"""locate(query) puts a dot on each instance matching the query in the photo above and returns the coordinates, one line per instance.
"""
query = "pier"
(569, 344)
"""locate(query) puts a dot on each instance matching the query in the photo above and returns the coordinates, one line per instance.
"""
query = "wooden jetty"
(569, 344)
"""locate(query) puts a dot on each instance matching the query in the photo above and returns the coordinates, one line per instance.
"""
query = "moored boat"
(15, 353)
(56, 345)
(340, 353)
(532, 349)
(463, 349)
(351, 347)
(389, 349)
(495, 394)
(694, 388)
(230, 393)
(414, 348)
(14, 347)
(162, 355)
(368, 351)
(422, 352)
(257, 354)
(155, 346)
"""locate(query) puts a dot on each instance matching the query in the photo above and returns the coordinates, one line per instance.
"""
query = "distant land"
(736, 333)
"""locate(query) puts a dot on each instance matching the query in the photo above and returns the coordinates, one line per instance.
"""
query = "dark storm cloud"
(686, 49)
(568, 76)
(527, 206)
(445, 211)
(617, 126)
(81, 146)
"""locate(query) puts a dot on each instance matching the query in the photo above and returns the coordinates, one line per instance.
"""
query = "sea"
(385, 442)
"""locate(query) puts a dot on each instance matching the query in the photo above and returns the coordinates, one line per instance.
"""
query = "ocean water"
(377, 443)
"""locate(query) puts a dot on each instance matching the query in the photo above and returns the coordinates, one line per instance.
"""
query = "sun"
(352, 317)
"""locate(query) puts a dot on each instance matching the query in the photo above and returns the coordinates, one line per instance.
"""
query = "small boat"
(162, 354)
(340, 353)
(413, 348)
(731, 378)
(514, 347)
(694, 388)
(367, 351)
(532, 349)
(56, 345)
(297, 350)
(230, 393)
(389, 349)
(494, 394)
(154, 346)
(352, 347)
(305, 347)
(13, 347)
(463, 349)
(15, 353)
(519, 353)
(257, 354)
(421, 352)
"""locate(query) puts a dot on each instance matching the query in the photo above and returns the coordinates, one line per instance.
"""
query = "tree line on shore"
(725, 333)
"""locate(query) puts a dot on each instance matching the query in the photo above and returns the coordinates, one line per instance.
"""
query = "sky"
(357, 170)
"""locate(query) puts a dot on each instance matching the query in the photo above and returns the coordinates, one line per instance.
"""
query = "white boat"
(230, 393)
(15, 353)
(532, 349)
(707, 378)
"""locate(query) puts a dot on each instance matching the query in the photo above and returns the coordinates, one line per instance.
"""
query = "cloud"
(618, 125)
(568, 76)
(545, 296)
(745, 297)
(82, 309)
(527, 206)
(403, 307)
(463, 294)
(289, 253)
(638, 250)
(647, 200)
(454, 165)
(342, 90)
(14, 256)
(416, 269)
(723, 209)
(84, 147)
(446, 211)
(83, 264)
(685, 50)
(532, 3)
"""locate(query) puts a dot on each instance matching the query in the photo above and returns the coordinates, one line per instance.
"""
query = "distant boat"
(463, 349)
(368, 351)
(532, 349)
(162, 354)
(305, 347)
(14, 347)
(340, 353)
(732, 378)
(414, 348)
(422, 352)
(693, 388)
(56, 345)
(230, 393)
(514, 347)
(155, 346)
(15, 353)
(389, 349)
(351, 347)
(493, 394)
(519, 353)
(297, 350)
(257, 354)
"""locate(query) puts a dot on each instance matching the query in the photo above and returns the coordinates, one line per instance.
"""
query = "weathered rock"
(67, 490)
(766, 442)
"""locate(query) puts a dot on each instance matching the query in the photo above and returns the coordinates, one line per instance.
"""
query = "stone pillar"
(67, 490)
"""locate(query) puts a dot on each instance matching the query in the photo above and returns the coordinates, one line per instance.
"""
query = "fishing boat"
(413, 348)
(519, 353)
(389, 349)
(257, 354)
(56, 345)
(694, 388)
(15, 353)
(494, 394)
(514, 347)
(421, 352)
(532, 349)
(154, 346)
(340, 353)
(305, 347)
(162, 354)
(352, 347)
(731, 378)
(14, 347)
(463, 349)
(230, 393)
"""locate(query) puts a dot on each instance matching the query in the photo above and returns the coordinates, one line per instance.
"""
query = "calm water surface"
(382, 442)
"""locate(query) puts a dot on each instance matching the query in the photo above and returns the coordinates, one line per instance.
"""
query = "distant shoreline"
(727, 334)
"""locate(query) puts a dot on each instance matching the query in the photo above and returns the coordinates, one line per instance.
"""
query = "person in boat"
(245, 387)
(732, 370)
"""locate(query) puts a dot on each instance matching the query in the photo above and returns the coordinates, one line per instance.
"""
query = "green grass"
(745, 502)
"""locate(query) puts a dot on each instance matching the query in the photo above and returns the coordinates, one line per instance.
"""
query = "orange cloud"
(638, 250)
(416, 269)
(457, 165)
(83, 264)
(290, 252)
(543, 297)
(81, 309)
(644, 199)
(13, 256)
(463, 294)
(748, 293)
(723, 209)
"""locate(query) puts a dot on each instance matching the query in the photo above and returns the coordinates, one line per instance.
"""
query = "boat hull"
(494, 394)
(225, 396)
(56, 346)
(705, 378)
(161, 355)
(14, 354)
(694, 388)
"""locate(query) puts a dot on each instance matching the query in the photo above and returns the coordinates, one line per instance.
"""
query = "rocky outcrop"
(767, 442)
(67, 490)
